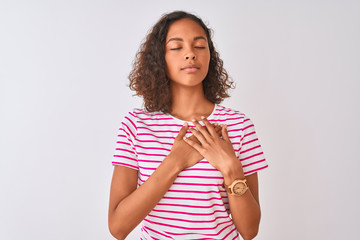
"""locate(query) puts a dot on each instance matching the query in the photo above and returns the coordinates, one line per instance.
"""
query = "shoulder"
(232, 117)
(227, 112)
(140, 115)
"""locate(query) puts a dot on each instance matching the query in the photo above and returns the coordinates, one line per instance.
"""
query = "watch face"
(239, 188)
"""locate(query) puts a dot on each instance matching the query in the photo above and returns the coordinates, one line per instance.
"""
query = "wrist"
(173, 164)
(233, 171)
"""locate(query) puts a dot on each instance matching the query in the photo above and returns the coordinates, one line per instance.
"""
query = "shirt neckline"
(210, 117)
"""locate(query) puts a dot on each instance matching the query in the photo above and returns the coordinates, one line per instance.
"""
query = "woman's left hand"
(218, 150)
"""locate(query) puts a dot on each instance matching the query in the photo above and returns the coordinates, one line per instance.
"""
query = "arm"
(130, 205)
(245, 209)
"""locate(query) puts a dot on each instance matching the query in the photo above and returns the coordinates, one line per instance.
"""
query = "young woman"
(184, 163)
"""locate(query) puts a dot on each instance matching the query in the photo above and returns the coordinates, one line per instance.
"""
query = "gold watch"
(237, 188)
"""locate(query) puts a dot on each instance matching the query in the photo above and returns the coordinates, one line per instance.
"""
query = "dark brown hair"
(148, 76)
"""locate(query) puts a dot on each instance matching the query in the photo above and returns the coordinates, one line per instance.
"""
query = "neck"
(190, 103)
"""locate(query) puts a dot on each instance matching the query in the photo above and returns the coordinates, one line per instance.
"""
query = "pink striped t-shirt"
(196, 206)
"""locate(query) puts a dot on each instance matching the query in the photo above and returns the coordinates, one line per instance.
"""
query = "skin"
(187, 59)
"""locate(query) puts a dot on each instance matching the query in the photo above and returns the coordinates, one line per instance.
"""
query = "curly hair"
(149, 78)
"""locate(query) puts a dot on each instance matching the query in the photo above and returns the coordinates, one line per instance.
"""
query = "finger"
(194, 144)
(182, 132)
(193, 138)
(199, 136)
(202, 130)
(209, 126)
(225, 133)
(218, 130)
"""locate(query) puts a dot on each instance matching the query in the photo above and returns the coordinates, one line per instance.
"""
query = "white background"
(63, 91)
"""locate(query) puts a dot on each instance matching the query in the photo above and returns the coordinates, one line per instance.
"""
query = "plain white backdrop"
(63, 92)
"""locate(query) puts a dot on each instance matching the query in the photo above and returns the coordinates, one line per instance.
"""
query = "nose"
(190, 55)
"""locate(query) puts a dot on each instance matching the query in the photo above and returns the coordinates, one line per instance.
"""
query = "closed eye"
(178, 48)
(200, 47)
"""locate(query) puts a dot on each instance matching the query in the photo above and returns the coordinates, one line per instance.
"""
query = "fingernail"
(185, 124)
(202, 117)
(193, 120)
(184, 138)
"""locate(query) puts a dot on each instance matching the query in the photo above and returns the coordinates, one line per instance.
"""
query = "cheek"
(170, 63)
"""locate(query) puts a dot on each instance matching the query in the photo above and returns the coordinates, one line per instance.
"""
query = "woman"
(184, 163)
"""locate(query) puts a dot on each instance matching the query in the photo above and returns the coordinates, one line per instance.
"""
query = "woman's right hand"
(182, 154)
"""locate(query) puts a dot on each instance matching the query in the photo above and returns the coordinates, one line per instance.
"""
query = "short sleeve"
(125, 152)
(250, 153)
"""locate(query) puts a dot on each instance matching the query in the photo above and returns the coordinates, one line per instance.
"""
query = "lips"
(190, 68)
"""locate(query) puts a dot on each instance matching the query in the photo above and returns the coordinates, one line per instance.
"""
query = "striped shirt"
(196, 206)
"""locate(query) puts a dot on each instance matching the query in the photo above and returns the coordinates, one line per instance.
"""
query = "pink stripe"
(128, 137)
(188, 184)
(158, 131)
(179, 176)
(146, 168)
(187, 191)
(150, 154)
(122, 156)
(131, 121)
(236, 136)
(187, 228)
(125, 164)
(190, 206)
(156, 232)
(190, 213)
(246, 120)
(230, 233)
(253, 163)
(249, 149)
(255, 170)
(123, 143)
(148, 161)
(191, 221)
(236, 237)
(154, 141)
(228, 119)
(209, 234)
(200, 169)
(197, 184)
(235, 130)
(128, 130)
(226, 109)
(249, 126)
(156, 119)
(225, 114)
(257, 154)
(150, 113)
(162, 125)
(234, 124)
(246, 135)
(125, 150)
(204, 177)
(149, 134)
(193, 199)
(153, 148)
(250, 141)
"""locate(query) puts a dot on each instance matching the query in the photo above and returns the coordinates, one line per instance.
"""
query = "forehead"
(184, 28)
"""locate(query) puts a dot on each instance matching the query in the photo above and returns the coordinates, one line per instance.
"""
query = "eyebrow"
(180, 39)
